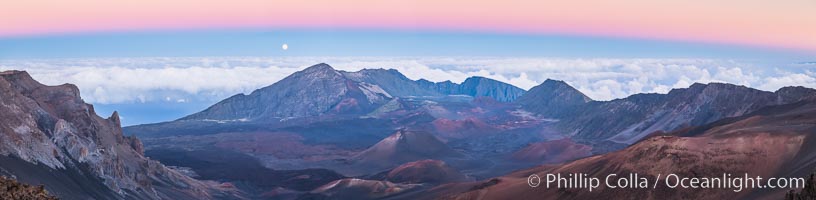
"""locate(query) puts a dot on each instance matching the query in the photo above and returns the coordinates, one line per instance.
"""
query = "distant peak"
(478, 79)
(115, 118)
(20, 79)
(713, 88)
(716, 86)
(319, 67)
(794, 88)
(551, 84)
(16, 74)
(697, 84)
(13, 72)
(554, 82)
(796, 93)
(381, 70)
(321, 70)
(390, 70)
(556, 92)
(706, 85)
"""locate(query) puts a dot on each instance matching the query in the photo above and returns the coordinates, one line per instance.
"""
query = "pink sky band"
(787, 24)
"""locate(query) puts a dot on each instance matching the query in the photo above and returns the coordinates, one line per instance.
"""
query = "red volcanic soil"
(755, 154)
(405, 146)
(773, 142)
(458, 129)
(347, 105)
(425, 171)
(553, 151)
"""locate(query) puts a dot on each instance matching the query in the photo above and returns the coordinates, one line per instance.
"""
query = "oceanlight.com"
(735, 183)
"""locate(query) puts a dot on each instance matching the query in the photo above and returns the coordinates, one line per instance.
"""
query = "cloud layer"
(209, 79)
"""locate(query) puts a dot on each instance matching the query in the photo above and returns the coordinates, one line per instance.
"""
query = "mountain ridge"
(320, 89)
(552, 97)
(50, 136)
(641, 114)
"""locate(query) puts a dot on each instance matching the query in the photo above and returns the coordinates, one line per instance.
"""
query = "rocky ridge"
(629, 119)
(50, 128)
(322, 90)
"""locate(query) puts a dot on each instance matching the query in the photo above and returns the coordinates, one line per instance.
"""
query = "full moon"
(284, 46)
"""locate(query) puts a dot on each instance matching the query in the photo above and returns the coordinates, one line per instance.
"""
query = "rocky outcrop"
(392, 81)
(476, 87)
(807, 193)
(484, 87)
(49, 136)
(11, 189)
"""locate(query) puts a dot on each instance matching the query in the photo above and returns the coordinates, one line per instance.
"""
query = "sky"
(160, 60)
(783, 24)
(365, 42)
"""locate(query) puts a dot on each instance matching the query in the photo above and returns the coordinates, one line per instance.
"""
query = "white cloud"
(797, 79)
(123, 80)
